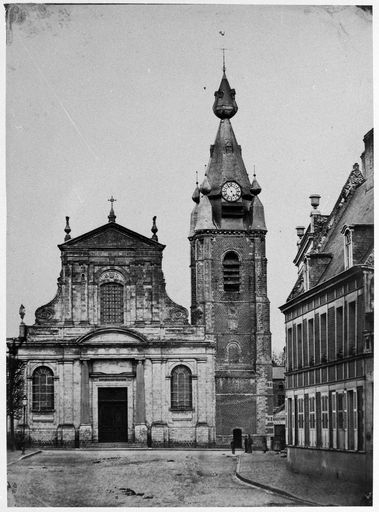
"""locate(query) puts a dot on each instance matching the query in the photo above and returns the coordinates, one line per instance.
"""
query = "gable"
(113, 236)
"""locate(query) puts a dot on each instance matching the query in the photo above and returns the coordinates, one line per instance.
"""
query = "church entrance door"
(237, 438)
(113, 421)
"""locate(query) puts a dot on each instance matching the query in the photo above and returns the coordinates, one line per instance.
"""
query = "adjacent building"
(329, 334)
(113, 359)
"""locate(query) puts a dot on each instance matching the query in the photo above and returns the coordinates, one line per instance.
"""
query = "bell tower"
(229, 282)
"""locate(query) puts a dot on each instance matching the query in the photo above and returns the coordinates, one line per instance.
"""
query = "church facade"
(113, 359)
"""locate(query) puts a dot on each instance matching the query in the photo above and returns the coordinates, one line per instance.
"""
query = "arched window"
(43, 389)
(181, 388)
(231, 272)
(234, 353)
(111, 303)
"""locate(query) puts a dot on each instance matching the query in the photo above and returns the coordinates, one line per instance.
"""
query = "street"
(138, 478)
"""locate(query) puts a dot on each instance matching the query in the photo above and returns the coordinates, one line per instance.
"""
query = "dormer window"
(348, 248)
(306, 274)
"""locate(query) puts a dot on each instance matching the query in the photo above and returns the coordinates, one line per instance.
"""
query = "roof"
(354, 208)
(359, 210)
(109, 235)
(226, 161)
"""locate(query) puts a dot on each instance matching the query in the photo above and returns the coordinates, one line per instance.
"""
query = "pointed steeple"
(204, 215)
(257, 215)
(193, 219)
(226, 161)
(225, 105)
(226, 166)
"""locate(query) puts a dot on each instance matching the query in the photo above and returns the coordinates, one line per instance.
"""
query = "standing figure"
(232, 446)
(246, 444)
(264, 445)
(249, 445)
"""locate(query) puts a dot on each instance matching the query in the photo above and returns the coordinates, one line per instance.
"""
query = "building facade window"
(332, 420)
(43, 389)
(300, 420)
(352, 328)
(112, 303)
(231, 272)
(323, 338)
(312, 421)
(181, 388)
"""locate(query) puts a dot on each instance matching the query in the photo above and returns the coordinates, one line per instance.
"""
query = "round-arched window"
(234, 353)
(181, 388)
(43, 389)
(111, 303)
(231, 272)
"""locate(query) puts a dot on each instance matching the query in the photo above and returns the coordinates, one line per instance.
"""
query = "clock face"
(231, 191)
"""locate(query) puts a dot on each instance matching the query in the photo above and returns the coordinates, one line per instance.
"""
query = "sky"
(117, 99)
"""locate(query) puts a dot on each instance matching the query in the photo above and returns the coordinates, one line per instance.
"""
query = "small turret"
(196, 192)
(205, 187)
(255, 187)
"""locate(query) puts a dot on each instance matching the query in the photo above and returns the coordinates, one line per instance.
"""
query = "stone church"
(112, 359)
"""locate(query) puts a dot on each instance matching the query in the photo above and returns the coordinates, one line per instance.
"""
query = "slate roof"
(359, 210)
(226, 165)
(354, 206)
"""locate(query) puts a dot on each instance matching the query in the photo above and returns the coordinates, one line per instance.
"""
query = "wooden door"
(113, 424)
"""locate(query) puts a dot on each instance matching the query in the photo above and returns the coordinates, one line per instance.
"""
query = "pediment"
(111, 235)
(111, 336)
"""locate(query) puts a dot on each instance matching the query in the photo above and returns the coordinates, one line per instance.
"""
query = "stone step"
(98, 446)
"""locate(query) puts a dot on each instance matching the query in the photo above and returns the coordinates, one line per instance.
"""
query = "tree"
(15, 389)
(279, 358)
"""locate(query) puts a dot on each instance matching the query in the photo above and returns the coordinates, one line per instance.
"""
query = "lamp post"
(24, 403)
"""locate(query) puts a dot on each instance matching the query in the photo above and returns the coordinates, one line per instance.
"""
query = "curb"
(274, 489)
(135, 448)
(24, 457)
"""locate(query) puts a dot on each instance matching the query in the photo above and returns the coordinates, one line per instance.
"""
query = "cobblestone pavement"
(110, 478)
(271, 470)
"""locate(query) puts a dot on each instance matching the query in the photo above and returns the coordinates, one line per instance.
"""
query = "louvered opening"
(231, 271)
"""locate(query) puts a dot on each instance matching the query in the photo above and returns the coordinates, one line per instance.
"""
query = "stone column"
(85, 429)
(159, 432)
(84, 393)
(140, 429)
(202, 430)
(66, 429)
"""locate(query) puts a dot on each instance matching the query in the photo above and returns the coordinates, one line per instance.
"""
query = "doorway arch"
(237, 437)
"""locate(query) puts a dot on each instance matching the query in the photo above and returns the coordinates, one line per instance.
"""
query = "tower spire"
(223, 61)
(112, 216)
